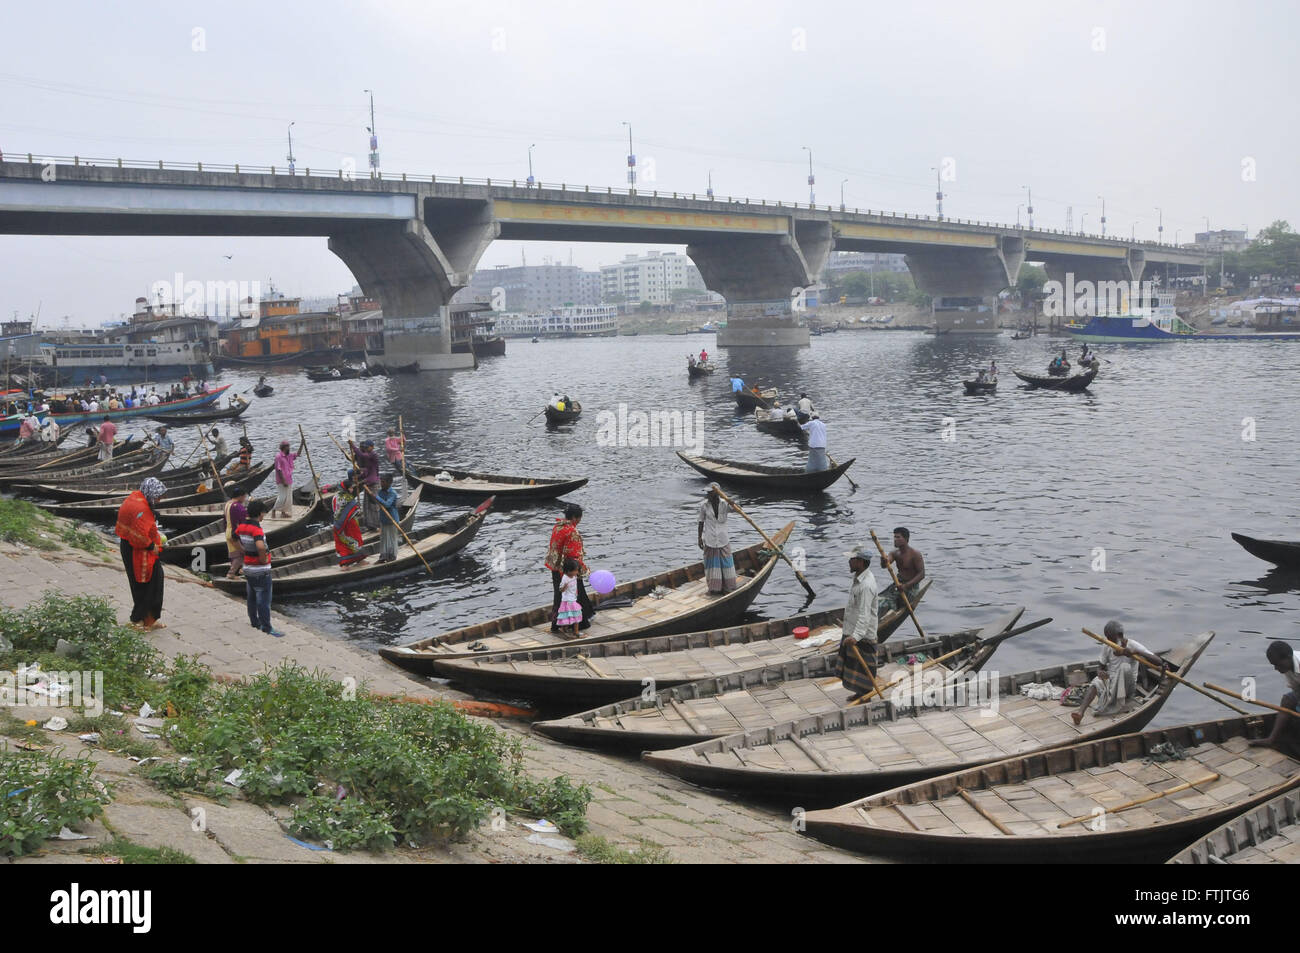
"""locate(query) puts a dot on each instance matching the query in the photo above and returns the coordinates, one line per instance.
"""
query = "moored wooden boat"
(135, 465)
(321, 573)
(321, 543)
(1266, 834)
(1279, 552)
(751, 698)
(72, 418)
(572, 411)
(1073, 384)
(185, 511)
(342, 373)
(748, 400)
(592, 674)
(682, 605)
(179, 481)
(1064, 805)
(760, 476)
(62, 459)
(200, 416)
(503, 487)
(870, 747)
(980, 387)
(210, 538)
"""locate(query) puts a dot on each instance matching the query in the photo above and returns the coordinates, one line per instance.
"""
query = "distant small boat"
(263, 390)
(700, 369)
(981, 387)
(748, 400)
(1075, 384)
(571, 413)
(758, 476)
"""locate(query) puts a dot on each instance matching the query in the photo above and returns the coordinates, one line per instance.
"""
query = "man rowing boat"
(1286, 729)
(1116, 682)
(910, 569)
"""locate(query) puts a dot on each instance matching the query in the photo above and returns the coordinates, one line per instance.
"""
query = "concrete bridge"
(413, 243)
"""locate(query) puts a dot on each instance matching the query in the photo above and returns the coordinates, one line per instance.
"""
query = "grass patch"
(138, 854)
(14, 728)
(27, 524)
(598, 850)
(84, 539)
(42, 792)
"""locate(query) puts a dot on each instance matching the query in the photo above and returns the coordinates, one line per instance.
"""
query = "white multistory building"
(651, 277)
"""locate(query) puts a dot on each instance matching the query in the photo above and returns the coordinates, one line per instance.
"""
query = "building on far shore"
(651, 277)
(532, 287)
(1224, 240)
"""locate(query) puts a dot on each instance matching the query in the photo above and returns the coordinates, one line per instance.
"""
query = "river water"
(1112, 504)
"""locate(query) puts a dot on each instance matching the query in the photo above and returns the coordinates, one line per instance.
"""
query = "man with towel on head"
(858, 645)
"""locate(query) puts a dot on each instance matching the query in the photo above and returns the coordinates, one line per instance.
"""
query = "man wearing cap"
(137, 527)
(817, 459)
(284, 461)
(368, 466)
(1116, 684)
(858, 645)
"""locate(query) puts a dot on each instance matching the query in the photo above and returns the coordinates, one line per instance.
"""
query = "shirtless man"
(909, 567)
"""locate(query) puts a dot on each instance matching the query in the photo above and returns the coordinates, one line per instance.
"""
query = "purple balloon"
(603, 581)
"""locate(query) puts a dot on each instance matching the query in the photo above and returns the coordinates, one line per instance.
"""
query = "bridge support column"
(964, 277)
(1103, 274)
(762, 278)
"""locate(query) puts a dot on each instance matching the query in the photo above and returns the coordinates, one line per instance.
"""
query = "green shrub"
(43, 792)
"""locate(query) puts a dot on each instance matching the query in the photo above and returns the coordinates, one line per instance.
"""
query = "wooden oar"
(780, 551)
(1142, 800)
(217, 476)
(875, 685)
(846, 472)
(192, 449)
(1250, 701)
(357, 476)
(1164, 671)
(901, 594)
(306, 449)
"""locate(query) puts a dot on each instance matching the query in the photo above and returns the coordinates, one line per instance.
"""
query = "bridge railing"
(347, 174)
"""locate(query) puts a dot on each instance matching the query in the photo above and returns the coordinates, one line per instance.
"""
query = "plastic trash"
(555, 843)
(57, 723)
(542, 827)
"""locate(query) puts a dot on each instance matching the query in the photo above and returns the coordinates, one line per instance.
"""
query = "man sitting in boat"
(858, 644)
(981, 376)
(910, 569)
(1285, 735)
(690, 360)
(790, 414)
(1116, 683)
(555, 401)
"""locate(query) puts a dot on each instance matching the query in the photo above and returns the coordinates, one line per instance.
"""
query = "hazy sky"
(1147, 103)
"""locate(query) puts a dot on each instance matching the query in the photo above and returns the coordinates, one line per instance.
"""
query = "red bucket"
(801, 632)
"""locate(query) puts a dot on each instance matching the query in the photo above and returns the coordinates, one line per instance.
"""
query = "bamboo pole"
(1251, 701)
(803, 581)
(307, 450)
(876, 689)
(387, 515)
(1164, 671)
(970, 799)
(846, 472)
(1142, 800)
(901, 594)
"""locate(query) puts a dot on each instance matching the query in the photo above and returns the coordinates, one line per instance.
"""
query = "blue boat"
(1159, 324)
(9, 425)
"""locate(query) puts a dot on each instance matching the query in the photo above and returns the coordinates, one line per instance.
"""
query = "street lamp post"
(531, 180)
(938, 193)
(290, 156)
(1018, 208)
(812, 196)
(1132, 235)
(374, 136)
(631, 160)
(1160, 227)
(1029, 207)
(709, 193)
(1103, 215)
(842, 208)
(1082, 218)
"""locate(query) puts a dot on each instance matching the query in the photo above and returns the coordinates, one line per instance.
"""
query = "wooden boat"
(211, 536)
(436, 542)
(321, 543)
(200, 416)
(700, 370)
(1283, 553)
(593, 674)
(1058, 370)
(64, 459)
(1267, 834)
(1018, 336)
(71, 418)
(135, 464)
(503, 487)
(570, 413)
(779, 424)
(263, 390)
(1091, 364)
(1020, 809)
(980, 387)
(182, 511)
(1073, 384)
(762, 477)
(321, 374)
(682, 605)
(748, 400)
(870, 747)
(752, 698)
(179, 481)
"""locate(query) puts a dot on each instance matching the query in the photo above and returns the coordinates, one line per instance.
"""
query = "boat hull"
(9, 426)
(1282, 553)
(1121, 330)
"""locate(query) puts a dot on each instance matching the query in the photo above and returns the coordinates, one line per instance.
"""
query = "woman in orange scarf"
(566, 542)
(141, 544)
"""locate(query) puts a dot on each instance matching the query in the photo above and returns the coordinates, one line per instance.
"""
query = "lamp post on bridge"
(842, 208)
(938, 192)
(531, 180)
(1018, 208)
(812, 197)
(631, 160)
(1132, 235)
(709, 193)
(290, 155)
(374, 136)
(1082, 218)
(1160, 226)
(1103, 215)
(1029, 206)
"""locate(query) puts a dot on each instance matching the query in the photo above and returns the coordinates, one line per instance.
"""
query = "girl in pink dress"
(570, 612)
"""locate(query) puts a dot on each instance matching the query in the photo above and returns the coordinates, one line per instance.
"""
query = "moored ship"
(1159, 323)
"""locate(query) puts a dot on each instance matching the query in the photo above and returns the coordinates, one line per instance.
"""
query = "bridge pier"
(1070, 271)
(955, 276)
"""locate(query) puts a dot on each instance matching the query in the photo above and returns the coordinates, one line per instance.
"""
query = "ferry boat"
(583, 321)
(1158, 324)
(9, 425)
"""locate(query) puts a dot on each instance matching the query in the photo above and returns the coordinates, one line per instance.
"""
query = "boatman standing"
(805, 407)
(858, 644)
(737, 385)
(910, 571)
(817, 459)
(1286, 729)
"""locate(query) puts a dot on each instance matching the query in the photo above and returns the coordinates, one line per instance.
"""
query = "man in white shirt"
(1118, 685)
(805, 407)
(1286, 729)
(817, 459)
(861, 615)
